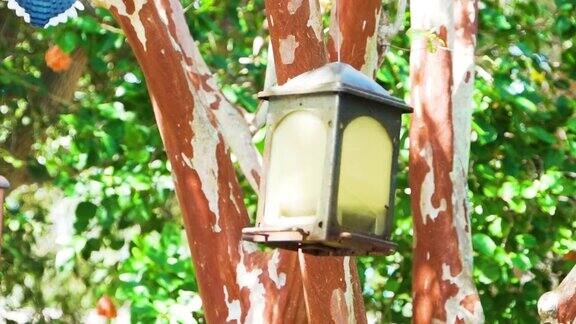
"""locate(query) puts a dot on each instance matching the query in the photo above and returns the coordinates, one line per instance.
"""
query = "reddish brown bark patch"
(216, 255)
(130, 6)
(469, 302)
(352, 26)
(564, 298)
(326, 288)
(431, 138)
(321, 276)
(466, 28)
(310, 52)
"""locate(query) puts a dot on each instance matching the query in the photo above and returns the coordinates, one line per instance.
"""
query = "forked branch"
(559, 305)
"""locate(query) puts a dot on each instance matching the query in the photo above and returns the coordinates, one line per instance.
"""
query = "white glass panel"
(296, 168)
(365, 169)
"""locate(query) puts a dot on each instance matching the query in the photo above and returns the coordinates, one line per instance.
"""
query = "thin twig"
(386, 31)
(111, 28)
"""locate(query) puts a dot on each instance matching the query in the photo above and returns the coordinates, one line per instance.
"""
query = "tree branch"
(260, 116)
(387, 30)
(236, 282)
(559, 305)
(331, 285)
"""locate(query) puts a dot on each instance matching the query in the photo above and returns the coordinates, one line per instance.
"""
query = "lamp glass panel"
(296, 168)
(365, 171)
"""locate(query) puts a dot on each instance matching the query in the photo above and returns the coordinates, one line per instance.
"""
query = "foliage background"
(93, 210)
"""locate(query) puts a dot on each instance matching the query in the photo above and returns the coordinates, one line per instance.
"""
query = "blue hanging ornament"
(45, 13)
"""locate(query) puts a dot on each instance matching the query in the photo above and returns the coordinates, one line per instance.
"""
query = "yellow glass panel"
(296, 167)
(364, 187)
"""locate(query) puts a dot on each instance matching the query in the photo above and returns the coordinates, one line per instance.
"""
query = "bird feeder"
(330, 164)
(4, 184)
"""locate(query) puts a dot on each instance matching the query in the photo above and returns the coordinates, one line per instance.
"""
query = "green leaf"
(509, 190)
(526, 240)
(495, 228)
(85, 211)
(68, 42)
(489, 272)
(526, 103)
(92, 245)
(522, 262)
(542, 134)
(484, 244)
(486, 132)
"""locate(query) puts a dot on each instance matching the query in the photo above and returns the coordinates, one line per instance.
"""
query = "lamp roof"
(335, 77)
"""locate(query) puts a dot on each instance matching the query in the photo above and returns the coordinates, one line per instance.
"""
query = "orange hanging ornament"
(105, 307)
(57, 60)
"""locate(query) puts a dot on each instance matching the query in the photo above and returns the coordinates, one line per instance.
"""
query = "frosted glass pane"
(365, 169)
(296, 166)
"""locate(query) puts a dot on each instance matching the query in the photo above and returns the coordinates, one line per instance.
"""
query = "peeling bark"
(291, 23)
(230, 119)
(559, 305)
(331, 286)
(354, 34)
(332, 290)
(442, 85)
(334, 295)
(237, 283)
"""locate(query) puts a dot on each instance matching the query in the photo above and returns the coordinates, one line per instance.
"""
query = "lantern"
(4, 184)
(330, 164)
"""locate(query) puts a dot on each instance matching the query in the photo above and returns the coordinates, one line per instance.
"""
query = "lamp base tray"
(344, 244)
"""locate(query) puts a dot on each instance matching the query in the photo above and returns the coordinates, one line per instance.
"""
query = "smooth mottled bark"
(331, 284)
(559, 305)
(237, 283)
(296, 35)
(354, 34)
(442, 75)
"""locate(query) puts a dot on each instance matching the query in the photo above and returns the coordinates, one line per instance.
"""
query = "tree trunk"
(442, 75)
(237, 283)
(296, 31)
(559, 305)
